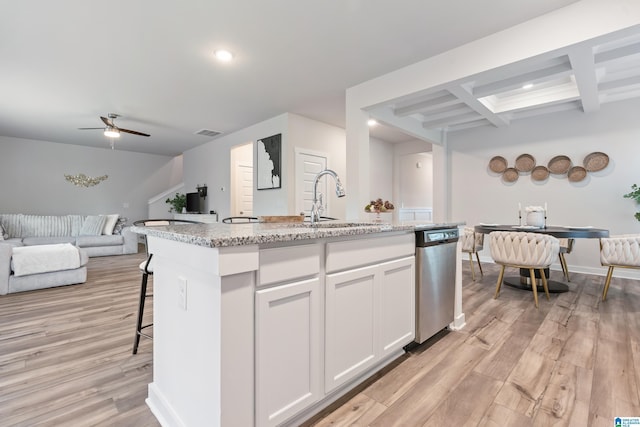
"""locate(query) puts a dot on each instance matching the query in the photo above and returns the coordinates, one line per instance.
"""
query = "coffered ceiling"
(580, 77)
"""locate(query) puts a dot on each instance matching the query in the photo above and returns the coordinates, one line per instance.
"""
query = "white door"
(243, 205)
(308, 165)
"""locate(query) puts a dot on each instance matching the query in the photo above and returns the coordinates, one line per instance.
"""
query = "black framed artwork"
(269, 162)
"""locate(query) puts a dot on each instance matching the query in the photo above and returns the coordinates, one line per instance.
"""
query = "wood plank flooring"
(573, 362)
(65, 359)
(65, 353)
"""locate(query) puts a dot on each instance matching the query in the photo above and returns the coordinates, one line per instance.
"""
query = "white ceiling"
(65, 63)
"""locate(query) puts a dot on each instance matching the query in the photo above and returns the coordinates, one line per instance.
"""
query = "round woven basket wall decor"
(510, 175)
(525, 163)
(595, 161)
(559, 165)
(540, 173)
(498, 164)
(577, 174)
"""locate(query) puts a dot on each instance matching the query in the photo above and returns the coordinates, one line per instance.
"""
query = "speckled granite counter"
(224, 235)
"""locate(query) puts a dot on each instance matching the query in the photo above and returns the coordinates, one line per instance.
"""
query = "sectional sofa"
(93, 235)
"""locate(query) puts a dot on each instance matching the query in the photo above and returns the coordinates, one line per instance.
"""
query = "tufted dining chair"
(471, 243)
(566, 246)
(532, 251)
(619, 251)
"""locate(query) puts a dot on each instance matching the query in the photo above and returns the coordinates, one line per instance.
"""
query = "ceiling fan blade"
(107, 122)
(134, 132)
(89, 128)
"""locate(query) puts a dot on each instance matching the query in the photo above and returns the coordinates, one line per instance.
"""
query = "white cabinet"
(351, 324)
(369, 314)
(288, 350)
(397, 304)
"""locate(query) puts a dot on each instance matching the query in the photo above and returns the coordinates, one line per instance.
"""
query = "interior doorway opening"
(242, 180)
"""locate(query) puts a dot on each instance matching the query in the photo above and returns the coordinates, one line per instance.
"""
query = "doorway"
(308, 165)
(241, 191)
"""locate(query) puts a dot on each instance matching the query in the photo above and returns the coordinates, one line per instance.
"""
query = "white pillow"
(109, 224)
(93, 225)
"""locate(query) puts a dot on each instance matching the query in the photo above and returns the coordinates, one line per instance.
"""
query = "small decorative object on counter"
(536, 216)
(378, 206)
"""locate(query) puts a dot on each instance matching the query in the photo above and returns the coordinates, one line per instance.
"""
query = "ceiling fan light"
(111, 132)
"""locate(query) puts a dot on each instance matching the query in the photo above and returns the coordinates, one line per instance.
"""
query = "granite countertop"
(224, 235)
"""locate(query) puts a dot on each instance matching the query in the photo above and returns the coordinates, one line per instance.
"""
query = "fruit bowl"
(378, 206)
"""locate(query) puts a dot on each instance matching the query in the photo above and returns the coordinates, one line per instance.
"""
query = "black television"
(193, 202)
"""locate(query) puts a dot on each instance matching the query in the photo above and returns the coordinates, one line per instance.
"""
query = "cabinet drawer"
(356, 253)
(288, 263)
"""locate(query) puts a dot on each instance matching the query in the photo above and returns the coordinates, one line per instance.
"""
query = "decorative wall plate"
(540, 173)
(595, 161)
(559, 165)
(525, 163)
(498, 164)
(510, 175)
(577, 174)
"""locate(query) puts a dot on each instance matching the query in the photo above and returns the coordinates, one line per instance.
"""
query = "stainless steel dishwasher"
(435, 280)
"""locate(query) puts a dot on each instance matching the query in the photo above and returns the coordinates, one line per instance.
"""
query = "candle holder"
(519, 218)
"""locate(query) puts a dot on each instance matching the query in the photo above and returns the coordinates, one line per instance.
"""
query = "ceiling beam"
(408, 125)
(584, 69)
(429, 104)
(515, 82)
(465, 95)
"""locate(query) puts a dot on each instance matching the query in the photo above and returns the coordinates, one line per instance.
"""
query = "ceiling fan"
(113, 131)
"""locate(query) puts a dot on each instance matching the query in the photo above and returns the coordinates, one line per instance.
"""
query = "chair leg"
(532, 275)
(607, 283)
(563, 264)
(479, 265)
(500, 276)
(473, 274)
(545, 284)
(143, 297)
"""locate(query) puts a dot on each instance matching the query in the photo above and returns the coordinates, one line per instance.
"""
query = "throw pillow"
(109, 224)
(93, 225)
(120, 225)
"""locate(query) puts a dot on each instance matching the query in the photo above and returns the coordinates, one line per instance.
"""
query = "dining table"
(561, 232)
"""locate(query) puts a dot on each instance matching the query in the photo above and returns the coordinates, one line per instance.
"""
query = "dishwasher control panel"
(434, 236)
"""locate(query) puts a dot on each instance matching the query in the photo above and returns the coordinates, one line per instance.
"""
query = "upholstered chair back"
(623, 251)
(523, 249)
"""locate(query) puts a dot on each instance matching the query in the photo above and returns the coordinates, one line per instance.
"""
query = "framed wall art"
(269, 162)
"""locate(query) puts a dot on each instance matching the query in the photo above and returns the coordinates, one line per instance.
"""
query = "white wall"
(33, 179)
(381, 167)
(317, 136)
(479, 196)
(210, 163)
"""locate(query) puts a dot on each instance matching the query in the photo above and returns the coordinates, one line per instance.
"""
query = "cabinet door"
(288, 349)
(351, 323)
(397, 304)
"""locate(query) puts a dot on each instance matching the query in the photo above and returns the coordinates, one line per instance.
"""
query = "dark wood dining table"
(561, 232)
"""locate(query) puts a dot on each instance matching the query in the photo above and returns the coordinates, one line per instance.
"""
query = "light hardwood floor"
(573, 362)
(65, 359)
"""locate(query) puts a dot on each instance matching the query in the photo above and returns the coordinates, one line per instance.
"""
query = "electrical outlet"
(182, 293)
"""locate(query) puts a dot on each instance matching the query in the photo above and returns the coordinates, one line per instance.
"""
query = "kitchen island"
(266, 324)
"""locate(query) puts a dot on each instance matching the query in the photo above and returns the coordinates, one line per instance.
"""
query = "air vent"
(208, 132)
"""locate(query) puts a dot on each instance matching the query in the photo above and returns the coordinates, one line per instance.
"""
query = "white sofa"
(10, 282)
(84, 231)
(92, 235)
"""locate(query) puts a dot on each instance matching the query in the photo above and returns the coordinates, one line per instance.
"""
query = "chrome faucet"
(316, 206)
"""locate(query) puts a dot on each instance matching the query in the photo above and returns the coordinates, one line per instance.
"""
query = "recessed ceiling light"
(372, 122)
(223, 55)
(527, 86)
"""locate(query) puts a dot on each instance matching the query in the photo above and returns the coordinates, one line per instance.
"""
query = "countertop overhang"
(225, 235)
